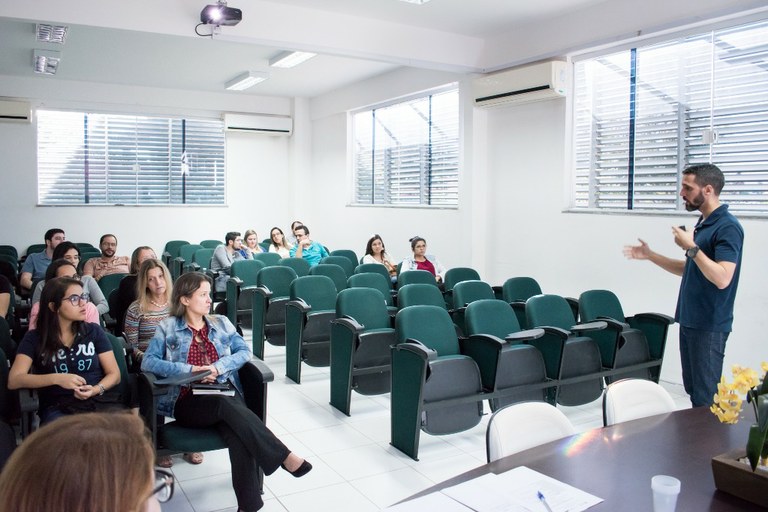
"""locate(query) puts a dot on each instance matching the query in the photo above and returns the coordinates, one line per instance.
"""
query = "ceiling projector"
(219, 14)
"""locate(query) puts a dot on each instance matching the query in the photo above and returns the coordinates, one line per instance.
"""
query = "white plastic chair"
(518, 427)
(631, 399)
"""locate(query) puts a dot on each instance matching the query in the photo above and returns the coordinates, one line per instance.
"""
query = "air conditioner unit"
(15, 111)
(535, 82)
(249, 123)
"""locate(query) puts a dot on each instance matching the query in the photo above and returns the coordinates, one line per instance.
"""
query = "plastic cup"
(665, 490)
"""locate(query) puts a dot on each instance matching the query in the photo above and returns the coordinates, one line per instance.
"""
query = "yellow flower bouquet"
(728, 404)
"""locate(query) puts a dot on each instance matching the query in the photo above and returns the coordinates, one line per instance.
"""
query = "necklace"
(161, 306)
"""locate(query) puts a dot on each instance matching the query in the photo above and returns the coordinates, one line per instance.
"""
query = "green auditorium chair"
(435, 387)
(495, 341)
(270, 259)
(308, 317)
(361, 336)
(336, 273)
(241, 287)
(376, 281)
(299, 265)
(347, 253)
(273, 290)
(342, 261)
(568, 351)
(170, 437)
(628, 340)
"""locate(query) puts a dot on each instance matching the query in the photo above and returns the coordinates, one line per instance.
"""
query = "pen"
(543, 501)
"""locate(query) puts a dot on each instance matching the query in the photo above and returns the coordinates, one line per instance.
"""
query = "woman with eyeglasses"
(278, 243)
(71, 253)
(68, 360)
(64, 268)
(192, 340)
(423, 261)
(83, 463)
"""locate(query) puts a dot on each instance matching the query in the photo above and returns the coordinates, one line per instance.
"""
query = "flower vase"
(733, 475)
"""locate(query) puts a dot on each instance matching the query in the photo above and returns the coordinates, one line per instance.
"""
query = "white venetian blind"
(100, 159)
(642, 115)
(408, 153)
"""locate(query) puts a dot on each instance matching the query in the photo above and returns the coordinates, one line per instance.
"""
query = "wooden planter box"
(736, 478)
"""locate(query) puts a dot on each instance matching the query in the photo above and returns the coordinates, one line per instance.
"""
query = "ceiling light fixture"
(46, 62)
(219, 14)
(290, 59)
(417, 2)
(47, 33)
(246, 81)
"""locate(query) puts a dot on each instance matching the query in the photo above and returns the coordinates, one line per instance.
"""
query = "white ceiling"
(152, 42)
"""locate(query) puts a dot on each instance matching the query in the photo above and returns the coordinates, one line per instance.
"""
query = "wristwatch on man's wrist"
(692, 252)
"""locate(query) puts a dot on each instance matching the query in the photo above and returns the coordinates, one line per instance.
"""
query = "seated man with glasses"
(64, 268)
(307, 249)
(68, 360)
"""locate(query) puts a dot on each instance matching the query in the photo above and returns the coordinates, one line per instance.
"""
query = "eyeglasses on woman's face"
(163, 487)
(76, 299)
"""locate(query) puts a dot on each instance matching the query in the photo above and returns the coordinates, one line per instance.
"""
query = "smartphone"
(682, 227)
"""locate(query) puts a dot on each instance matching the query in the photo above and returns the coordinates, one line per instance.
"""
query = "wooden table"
(616, 463)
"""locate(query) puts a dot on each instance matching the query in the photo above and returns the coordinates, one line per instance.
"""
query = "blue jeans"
(701, 355)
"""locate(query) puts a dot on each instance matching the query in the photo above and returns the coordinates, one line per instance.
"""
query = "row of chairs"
(525, 425)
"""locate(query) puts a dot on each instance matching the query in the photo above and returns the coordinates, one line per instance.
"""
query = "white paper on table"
(523, 485)
(483, 494)
(434, 501)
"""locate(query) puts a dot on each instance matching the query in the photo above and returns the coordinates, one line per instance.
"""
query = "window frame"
(643, 42)
(171, 139)
(352, 150)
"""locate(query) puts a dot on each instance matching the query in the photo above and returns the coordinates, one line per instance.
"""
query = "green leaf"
(762, 412)
(755, 445)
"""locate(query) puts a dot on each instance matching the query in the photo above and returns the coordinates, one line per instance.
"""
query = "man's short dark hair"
(707, 174)
(302, 227)
(52, 232)
(231, 236)
(101, 240)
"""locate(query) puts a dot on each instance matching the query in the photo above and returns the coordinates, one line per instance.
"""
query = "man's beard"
(694, 203)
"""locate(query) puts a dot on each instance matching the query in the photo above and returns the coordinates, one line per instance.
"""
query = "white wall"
(258, 169)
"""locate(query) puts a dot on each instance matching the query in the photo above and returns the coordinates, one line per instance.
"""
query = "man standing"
(224, 256)
(107, 263)
(307, 249)
(37, 263)
(710, 274)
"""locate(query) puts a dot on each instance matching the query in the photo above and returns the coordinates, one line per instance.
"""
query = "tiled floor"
(355, 468)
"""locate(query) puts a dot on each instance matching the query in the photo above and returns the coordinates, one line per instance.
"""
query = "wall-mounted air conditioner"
(15, 111)
(253, 123)
(535, 82)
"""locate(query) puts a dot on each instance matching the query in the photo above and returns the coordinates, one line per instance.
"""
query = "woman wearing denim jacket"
(191, 340)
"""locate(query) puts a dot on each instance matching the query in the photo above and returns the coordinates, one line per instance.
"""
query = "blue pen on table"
(543, 501)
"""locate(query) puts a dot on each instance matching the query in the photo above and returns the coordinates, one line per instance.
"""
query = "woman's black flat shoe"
(302, 470)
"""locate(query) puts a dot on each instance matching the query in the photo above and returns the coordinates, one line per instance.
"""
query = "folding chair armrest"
(299, 304)
(255, 375)
(236, 281)
(28, 401)
(350, 323)
(654, 317)
(613, 324)
(263, 291)
(598, 325)
(560, 333)
(418, 348)
(522, 336)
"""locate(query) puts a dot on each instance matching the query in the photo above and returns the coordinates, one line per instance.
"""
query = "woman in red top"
(422, 261)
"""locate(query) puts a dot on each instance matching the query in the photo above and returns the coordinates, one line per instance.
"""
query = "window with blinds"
(105, 159)
(408, 153)
(642, 115)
